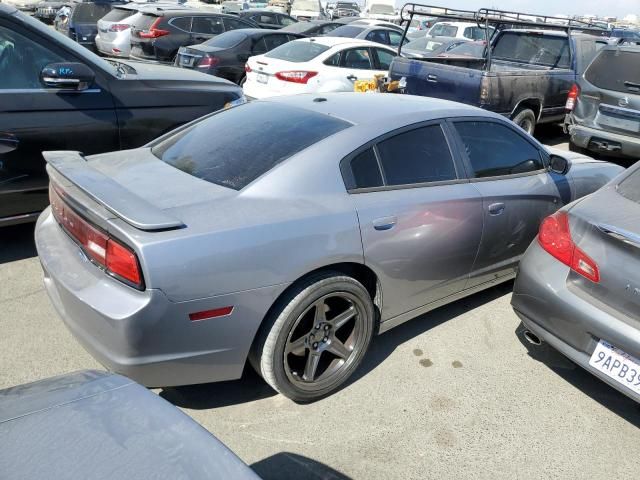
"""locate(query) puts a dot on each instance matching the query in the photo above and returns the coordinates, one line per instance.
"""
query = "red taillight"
(118, 27)
(207, 314)
(122, 262)
(555, 238)
(207, 62)
(572, 97)
(296, 76)
(247, 68)
(154, 31)
(103, 250)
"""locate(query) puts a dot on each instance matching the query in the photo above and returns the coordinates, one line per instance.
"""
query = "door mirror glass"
(558, 164)
(67, 76)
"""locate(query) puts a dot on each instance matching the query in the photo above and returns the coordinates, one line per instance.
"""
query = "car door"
(205, 27)
(34, 118)
(348, 66)
(420, 219)
(509, 170)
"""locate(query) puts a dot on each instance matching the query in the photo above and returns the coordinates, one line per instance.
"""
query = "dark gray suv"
(605, 116)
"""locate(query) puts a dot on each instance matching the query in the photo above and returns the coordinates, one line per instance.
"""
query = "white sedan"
(321, 64)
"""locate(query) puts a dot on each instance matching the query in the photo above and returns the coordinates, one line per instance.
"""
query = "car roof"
(8, 9)
(339, 41)
(362, 109)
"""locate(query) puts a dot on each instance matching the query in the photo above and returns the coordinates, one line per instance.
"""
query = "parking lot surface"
(456, 393)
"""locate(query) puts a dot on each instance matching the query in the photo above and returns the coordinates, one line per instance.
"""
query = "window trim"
(224, 27)
(347, 172)
(470, 172)
(170, 22)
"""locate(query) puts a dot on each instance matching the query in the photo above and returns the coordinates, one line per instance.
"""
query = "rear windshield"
(533, 48)
(297, 51)
(306, 5)
(381, 9)
(118, 14)
(90, 12)
(630, 186)
(348, 31)
(145, 22)
(299, 27)
(443, 30)
(227, 39)
(616, 70)
(424, 43)
(216, 149)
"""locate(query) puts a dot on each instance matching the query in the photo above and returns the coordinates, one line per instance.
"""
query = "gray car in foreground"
(289, 231)
(579, 284)
(100, 426)
(606, 105)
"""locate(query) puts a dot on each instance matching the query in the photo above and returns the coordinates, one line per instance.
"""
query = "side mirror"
(67, 76)
(558, 164)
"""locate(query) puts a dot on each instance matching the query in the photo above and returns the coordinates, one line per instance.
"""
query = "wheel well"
(532, 104)
(360, 272)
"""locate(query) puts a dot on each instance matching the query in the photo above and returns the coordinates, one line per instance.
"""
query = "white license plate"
(616, 364)
(631, 125)
(263, 78)
(186, 61)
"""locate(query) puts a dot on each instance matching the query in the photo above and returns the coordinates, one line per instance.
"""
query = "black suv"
(157, 36)
(57, 95)
(267, 18)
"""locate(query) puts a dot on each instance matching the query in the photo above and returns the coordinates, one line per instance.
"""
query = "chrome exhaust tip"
(532, 338)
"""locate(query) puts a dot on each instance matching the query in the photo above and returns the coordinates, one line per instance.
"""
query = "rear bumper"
(572, 324)
(144, 335)
(619, 145)
(112, 48)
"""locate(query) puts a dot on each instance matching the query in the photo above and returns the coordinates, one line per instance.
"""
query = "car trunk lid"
(606, 226)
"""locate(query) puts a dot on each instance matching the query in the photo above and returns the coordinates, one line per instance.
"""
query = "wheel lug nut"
(318, 327)
(325, 339)
(315, 345)
(327, 327)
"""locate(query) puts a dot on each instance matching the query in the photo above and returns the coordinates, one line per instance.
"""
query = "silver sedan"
(288, 232)
(579, 285)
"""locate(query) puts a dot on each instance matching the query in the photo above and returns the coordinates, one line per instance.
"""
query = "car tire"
(525, 119)
(306, 353)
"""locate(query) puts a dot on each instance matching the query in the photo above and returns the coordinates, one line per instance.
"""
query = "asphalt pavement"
(457, 393)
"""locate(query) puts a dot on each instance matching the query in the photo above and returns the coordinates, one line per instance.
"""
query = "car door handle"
(353, 78)
(496, 208)
(432, 78)
(385, 223)
(8, 142)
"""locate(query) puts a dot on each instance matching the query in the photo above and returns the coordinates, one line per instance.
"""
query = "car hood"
(149, 71)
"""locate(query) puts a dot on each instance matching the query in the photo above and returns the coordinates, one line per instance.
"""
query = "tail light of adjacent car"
(296, 76)
(572, 97)
(116, 259)
(208, 61)
(154, 31)
(555, 238)
(484, 90)
(118, 27)
(247, 68)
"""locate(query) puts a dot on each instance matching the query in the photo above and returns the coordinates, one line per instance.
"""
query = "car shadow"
(291, 466)
(551, 134)
(584, 381)
(17, 243)
(220, 394)
(251, 387)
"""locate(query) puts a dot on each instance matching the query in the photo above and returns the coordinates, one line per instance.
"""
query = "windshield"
(382, 9)
(297, 51)
(216, 149)
(533, 48)
(616, 70)
(118, 14)
(90, 12)
(466, 49)
(443, 30)
(423, 44)
(306, 5)
(227, 39)
(348, 31)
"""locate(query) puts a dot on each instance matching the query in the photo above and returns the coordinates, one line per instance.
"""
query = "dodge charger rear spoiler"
(103, 189)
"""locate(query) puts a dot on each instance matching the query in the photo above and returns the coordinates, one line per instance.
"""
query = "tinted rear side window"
(547, 50)
(226, 40)
(90, 12)
(617, 70)
(418, 156)
(495, 150)
(441, 30)
(117, 14)
(630, 187)
(348, 31)
(216, 149)
(365, 171)
(297, 51)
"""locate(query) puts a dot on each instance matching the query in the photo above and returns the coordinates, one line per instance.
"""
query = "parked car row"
(292, 228)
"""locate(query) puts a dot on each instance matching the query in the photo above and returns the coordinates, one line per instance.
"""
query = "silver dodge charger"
(288, 232)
